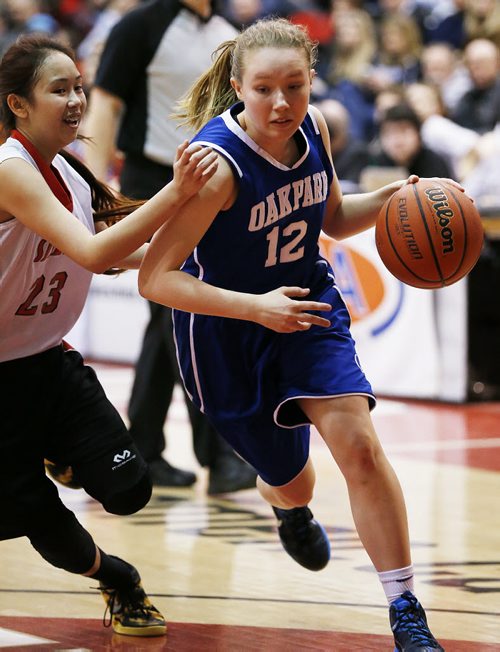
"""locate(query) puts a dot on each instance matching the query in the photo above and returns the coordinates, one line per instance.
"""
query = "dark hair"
(19, 71)
(401, 113)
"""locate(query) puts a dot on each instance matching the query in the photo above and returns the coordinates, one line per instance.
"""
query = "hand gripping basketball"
(429, 234)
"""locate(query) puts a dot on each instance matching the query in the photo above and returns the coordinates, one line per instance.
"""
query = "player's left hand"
(414, 178)
(285, 310)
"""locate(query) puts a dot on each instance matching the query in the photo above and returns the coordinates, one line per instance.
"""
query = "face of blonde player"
(275, 88)
(56, 106)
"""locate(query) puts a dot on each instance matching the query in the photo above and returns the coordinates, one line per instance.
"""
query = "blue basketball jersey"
(269, 237)
(244, 377)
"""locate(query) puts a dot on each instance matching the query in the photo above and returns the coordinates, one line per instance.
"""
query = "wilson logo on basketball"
(445, 224)
(441, 207)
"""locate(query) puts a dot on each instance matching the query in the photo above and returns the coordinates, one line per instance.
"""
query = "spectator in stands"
(401, 145)
(78, 16)
(455, 143)
(386, 99)
(482, 181)
(442, 67)
(457, 22)
(90, 48)
(345, 70)
(353, 47)
(5, 35)
(482, 20)
(315, 16)
(445, 24)
(336, 6)
(23, 16)
(30, 16)
(418, 10)
(479, 108)
(350, 156)
(244, 12)
(397, 59)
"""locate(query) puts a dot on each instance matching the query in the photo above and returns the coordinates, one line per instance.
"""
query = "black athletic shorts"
(53, 406)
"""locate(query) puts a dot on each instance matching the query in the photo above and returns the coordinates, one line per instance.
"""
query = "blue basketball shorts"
(247, 378)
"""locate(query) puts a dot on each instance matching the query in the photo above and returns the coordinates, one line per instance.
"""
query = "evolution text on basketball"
(406, 230)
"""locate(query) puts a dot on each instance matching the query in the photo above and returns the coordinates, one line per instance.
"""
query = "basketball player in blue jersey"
(262, 332)
(52, 403)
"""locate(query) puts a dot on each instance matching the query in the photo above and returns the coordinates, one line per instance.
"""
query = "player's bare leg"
(375, 494)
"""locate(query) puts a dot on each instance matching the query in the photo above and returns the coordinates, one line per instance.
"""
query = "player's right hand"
(279, 311)
(194, 166)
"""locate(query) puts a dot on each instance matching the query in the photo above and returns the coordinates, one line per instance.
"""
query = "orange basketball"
(429, 234)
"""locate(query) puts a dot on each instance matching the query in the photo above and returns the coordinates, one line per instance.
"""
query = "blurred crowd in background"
(405, 85)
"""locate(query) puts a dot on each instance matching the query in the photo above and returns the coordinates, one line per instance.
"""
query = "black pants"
(156, 370)
(53, 406)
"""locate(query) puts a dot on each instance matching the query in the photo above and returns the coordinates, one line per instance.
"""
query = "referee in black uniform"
(151, 57)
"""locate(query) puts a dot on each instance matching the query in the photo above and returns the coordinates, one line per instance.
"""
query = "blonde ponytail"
(212, 93)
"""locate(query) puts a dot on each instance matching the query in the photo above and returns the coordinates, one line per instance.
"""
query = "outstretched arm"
(347, 215)
(356, 213)
(25, 195)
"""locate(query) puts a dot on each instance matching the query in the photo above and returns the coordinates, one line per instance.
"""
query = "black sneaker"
(62, 473)
(164, 474)
(303, 538)
(131, 612)
(409, 626)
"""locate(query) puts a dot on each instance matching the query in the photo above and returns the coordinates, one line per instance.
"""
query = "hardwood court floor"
(215, 568)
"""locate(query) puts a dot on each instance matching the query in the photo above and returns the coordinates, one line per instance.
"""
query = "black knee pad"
(63, 542)
(130, 500)
(119, 479)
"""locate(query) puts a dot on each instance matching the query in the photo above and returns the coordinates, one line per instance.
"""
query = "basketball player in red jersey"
(52, 404)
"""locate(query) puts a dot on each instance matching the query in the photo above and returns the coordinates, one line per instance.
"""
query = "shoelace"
(131, 601)
(410, 619)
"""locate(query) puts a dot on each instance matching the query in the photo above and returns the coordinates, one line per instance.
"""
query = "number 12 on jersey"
(288, 251)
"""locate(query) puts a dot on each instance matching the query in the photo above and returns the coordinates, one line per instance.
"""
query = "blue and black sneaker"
(303, 538)
(409, 626)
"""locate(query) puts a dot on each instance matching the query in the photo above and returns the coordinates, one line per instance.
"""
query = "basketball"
(429, 234)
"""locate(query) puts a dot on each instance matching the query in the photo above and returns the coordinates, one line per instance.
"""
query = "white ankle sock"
(396, 582)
